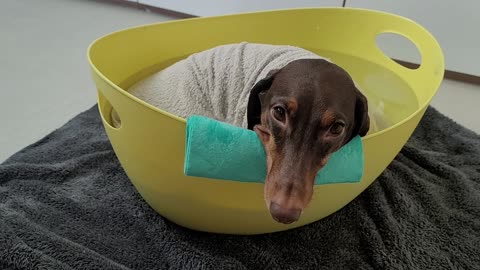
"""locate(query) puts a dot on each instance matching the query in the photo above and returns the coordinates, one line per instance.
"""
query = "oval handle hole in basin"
(400, 49)
(108, 112)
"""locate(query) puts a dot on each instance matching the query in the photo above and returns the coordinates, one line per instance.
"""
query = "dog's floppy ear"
(255, 100)
(362, 119)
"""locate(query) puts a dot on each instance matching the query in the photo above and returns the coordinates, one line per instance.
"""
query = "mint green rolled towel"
(219, 150)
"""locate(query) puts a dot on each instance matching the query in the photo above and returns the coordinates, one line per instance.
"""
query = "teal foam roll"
(219, 150)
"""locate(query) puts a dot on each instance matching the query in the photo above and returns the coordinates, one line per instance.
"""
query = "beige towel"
(216, 83)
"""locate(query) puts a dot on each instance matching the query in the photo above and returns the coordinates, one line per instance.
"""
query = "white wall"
(222, 7)
(455, 24)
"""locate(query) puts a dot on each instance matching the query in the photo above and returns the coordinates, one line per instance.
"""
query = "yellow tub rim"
(432, 67)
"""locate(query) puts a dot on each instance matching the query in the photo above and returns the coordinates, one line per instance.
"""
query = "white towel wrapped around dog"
(215, 83)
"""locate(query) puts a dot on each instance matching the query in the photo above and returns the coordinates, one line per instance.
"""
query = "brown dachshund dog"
(303, 113)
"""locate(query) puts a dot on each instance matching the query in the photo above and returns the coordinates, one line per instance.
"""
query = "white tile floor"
(44, 74)
(461, 102)
(45, 77)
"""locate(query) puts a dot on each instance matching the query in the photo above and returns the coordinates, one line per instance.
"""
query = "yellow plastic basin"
(150, 143)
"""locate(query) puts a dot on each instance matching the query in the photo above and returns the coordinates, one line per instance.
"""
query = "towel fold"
(219, 150)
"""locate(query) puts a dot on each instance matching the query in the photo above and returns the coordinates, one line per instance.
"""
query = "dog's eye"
(279, 113)
(337, 128)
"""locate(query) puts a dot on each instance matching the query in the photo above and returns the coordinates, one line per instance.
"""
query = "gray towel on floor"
(65, 203)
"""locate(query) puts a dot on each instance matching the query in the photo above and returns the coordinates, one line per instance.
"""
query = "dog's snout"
(284, 215)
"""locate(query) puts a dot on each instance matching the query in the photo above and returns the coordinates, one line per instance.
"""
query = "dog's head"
(303, 113)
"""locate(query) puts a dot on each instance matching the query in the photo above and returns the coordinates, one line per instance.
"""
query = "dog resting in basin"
(302, 106)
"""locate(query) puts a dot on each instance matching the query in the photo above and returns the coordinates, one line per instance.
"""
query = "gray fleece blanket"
(65, 203)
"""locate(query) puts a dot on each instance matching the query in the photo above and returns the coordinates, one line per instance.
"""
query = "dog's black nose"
(284, 215)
